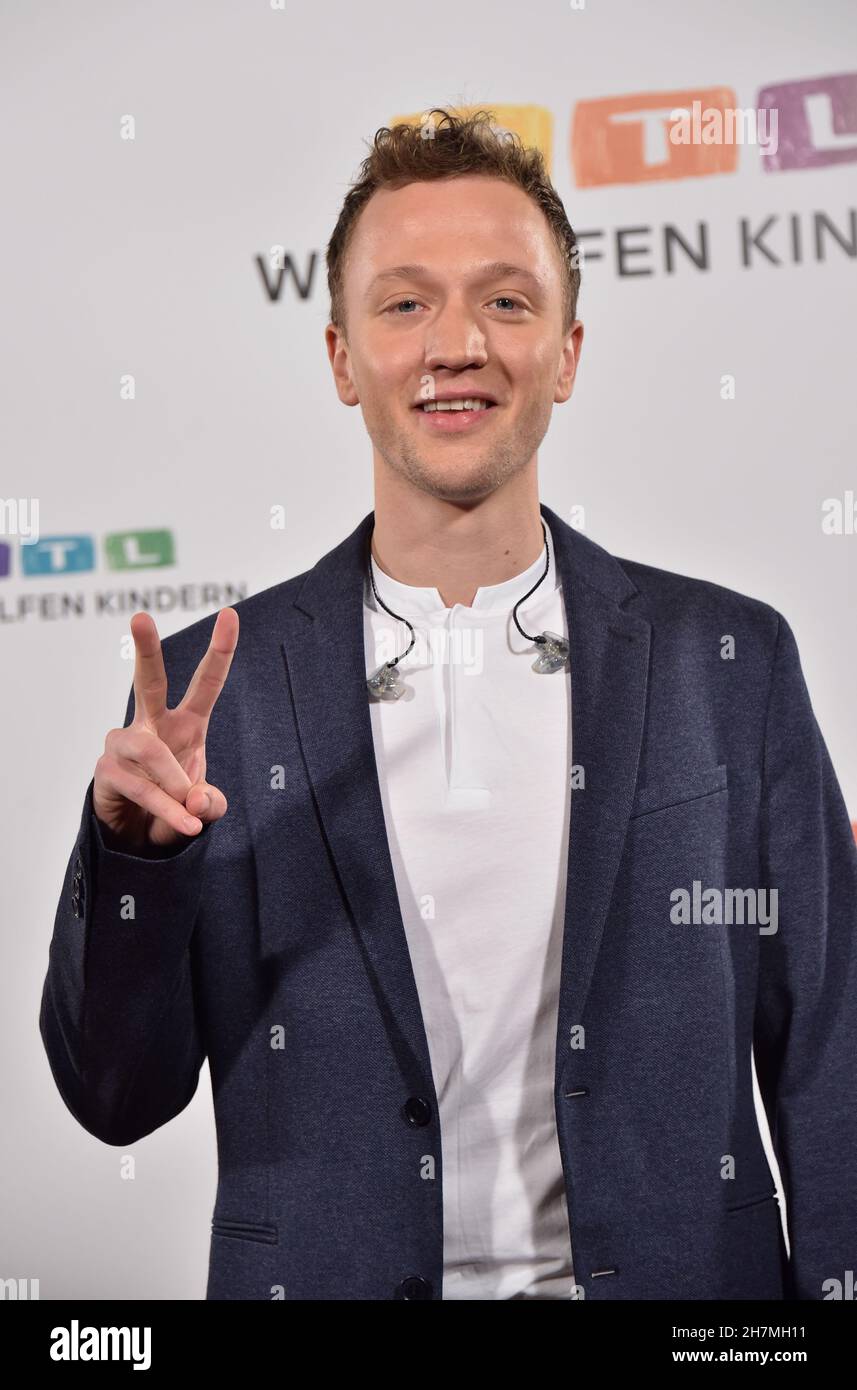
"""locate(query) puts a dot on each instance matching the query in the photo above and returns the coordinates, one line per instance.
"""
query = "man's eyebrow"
(494, 270)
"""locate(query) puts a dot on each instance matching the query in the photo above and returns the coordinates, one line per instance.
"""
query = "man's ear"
(340, 361)
(569, 362)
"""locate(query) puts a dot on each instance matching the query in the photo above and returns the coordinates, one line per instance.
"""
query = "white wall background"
(137, 257)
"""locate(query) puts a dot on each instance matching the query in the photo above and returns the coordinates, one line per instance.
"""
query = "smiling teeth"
(468, 403)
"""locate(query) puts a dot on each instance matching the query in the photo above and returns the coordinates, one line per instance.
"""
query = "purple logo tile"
(817, 122)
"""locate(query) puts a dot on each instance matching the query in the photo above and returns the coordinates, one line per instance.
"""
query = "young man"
(477, 1003)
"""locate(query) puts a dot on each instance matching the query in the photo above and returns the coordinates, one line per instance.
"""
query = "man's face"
(467, 323)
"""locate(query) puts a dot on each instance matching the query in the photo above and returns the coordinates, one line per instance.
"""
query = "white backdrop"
(137, 258)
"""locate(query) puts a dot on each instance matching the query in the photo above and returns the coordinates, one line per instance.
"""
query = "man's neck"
(456, 548)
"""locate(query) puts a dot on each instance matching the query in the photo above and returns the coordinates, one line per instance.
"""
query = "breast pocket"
(678, 835)
(678, 788)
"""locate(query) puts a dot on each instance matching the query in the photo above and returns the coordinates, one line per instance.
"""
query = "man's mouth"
(458, 416)
(465, 403)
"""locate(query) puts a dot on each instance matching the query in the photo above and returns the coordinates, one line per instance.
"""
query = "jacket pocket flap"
(245, 1230)
(686, 785)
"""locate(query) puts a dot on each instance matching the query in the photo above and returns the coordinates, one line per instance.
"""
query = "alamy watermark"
(462, 647)
(709, 907)
(19, 516)
(731, 125)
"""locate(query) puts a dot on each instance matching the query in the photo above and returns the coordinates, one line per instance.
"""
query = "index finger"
(150, 677)
(210, 675)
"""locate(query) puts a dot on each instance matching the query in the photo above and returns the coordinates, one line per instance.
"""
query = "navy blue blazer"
(273, 944)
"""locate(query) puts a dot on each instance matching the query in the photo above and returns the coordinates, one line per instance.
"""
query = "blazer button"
(416, 1111)
(414, 1287)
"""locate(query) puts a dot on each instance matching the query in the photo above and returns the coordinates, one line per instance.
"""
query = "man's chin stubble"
(475, 481)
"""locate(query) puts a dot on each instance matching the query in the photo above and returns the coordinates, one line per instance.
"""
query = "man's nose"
(456, 340)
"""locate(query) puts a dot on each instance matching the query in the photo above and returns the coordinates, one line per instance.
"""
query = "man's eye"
(500, 299)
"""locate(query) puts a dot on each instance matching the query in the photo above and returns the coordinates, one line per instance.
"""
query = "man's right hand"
(150, 786)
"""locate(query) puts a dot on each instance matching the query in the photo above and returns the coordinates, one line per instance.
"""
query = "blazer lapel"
(326, 667)
(324, 651)
(609, 663)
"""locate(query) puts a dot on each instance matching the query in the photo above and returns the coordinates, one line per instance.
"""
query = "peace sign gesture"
(150, 785)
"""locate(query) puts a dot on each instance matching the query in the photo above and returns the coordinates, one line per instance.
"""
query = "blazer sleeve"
(118, 1018)
(805, 1027)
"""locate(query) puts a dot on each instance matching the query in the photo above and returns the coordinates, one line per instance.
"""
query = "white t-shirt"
(474, 763)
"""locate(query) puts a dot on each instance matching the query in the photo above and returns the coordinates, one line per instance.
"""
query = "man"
(478, 982)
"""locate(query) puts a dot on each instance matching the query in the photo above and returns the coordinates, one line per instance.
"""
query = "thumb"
(205, 801)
